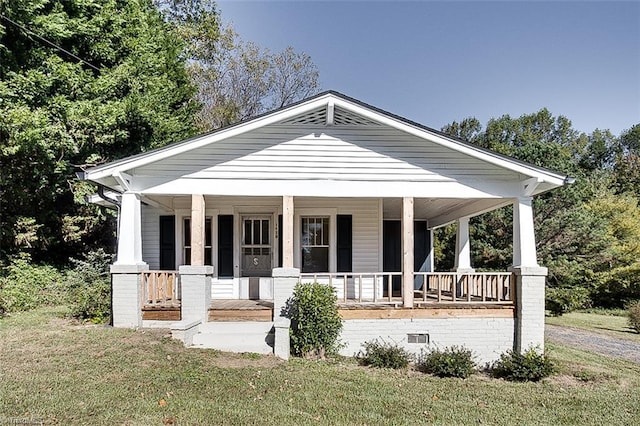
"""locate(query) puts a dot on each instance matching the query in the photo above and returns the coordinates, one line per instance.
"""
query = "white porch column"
(195, 281)
(463, 247)
(130, 231)
(197, 229)
(524, 240)
(530, 279)
(284, 281)
(407, 252)
(286, 233)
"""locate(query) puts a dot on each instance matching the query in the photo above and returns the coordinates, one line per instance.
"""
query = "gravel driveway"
(594, 342)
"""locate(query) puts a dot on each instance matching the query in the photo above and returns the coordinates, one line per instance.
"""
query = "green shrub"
(384, 355)
(563, 300)
(455, 361)
(530, 366)
(634, 315)
(315, 321)
(89, 287)
(27, 286)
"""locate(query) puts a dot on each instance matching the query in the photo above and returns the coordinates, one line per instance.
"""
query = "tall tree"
(236, 80)
(59, 113)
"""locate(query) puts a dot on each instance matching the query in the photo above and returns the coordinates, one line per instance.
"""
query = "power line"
(50, 43)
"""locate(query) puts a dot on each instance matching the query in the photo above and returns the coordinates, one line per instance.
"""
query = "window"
(315, 244)
(208, 238)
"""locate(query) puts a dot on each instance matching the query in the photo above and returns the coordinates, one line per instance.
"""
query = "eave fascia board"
(109, 169)
(397, 123)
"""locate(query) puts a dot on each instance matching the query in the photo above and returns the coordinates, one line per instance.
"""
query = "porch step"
(236, 336)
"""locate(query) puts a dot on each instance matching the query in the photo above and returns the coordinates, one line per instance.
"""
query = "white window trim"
(331, 213)
(180, 216)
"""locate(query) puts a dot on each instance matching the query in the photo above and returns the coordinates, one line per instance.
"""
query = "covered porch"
(381, 252)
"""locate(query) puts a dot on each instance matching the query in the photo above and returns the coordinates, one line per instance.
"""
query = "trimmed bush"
(634, 315)
(315, 321)
(564, 300)
(89, 287)
(27, 286)
(384, 355)
(530, 366)
(455, 361)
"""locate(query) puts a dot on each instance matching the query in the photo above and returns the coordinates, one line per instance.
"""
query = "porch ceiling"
(441, 211)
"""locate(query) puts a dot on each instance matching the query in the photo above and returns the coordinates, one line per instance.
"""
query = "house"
(215, 231)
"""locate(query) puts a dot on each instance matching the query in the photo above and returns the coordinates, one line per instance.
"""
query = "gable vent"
(343, 117)
(317, 117)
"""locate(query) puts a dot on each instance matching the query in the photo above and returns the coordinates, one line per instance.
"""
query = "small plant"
(633, 311)
(564, 300)
(455, 361)
(315, 321)
(89, 287)
(384, 355)
(530, 366)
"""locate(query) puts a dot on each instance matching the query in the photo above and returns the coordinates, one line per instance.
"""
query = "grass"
(67, 373)
(611, 325)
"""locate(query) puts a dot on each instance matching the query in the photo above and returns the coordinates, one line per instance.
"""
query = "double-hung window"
(315, 244)
(208, 242)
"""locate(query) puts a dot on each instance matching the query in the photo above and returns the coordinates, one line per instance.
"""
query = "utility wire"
(50, 43)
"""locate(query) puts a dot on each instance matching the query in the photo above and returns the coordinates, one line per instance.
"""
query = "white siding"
(366, 227)
(377, 153)
(151, 236)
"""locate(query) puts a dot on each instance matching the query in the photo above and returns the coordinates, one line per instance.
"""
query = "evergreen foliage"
(88, 287)
(27, 286)
(315, 321)
(58, 113)
(455, 361)
(381, 354)
(634, 315)
(530, 366)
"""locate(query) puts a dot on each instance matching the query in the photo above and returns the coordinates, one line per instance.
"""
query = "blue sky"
(435, 62)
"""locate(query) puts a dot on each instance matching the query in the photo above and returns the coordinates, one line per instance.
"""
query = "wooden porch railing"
(430, 287)
(477, 287)
(160, 289)
(374, 287)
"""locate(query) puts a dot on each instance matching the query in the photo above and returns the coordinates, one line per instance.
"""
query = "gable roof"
(330, 108)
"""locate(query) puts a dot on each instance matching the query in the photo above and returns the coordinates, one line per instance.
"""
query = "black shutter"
(280, 241)
(345, 243)
(225, 246)
(167, 243)
(420, 244)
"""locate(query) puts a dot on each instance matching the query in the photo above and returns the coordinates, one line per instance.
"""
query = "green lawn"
(611, 325)
(66, 373)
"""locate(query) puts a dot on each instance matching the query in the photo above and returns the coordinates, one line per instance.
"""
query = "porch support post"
(286, 233)
(530, 279)
(284, 281)
(126, 295)
(407, 252)
(530, 286)
(524, 240)
(197, 229)
(195, 282)
(129, 231)
(463, 247)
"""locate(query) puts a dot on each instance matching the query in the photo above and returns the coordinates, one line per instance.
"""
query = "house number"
(255, 261)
